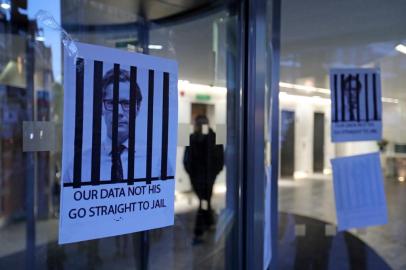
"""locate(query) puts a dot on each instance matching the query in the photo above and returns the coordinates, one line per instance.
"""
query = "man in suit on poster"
(109, 167)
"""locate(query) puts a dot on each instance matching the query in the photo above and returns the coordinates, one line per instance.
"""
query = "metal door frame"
(260, 54)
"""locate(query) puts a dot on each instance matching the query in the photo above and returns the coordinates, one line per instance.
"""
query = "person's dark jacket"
(203, 160)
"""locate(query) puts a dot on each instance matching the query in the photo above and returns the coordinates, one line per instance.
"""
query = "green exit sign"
(202, 97)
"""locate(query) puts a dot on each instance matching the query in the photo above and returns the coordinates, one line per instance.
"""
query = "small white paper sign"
(359, 193)
(356, 105)
(119, 143)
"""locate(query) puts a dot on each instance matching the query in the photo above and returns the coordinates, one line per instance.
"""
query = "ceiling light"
(285, 97)
(308, 89)
(401, 48)
(5, 5)
(401, 179)
(302, 87)
(194, 89)
(390, 100)
(155, 47)
(40, 38)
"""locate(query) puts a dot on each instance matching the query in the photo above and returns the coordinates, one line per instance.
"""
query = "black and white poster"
(356, 105)
(119, 143)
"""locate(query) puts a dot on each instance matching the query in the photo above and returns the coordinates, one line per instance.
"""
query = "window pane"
(31, 89)
(315, 38)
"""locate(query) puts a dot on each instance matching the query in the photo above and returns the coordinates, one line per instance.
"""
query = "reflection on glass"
(31, 89)
(203, 160)
(311, 46)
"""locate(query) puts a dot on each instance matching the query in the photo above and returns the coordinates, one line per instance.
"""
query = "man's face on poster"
(123, 110)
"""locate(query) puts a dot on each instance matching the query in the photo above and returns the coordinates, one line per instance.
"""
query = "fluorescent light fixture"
(285, 97)
(401, 48)
(5, 5)
(390, 100)
(183, 82)
(325, 90)
(193, 89)
(155, 47)
(304, 87)
(40, 38)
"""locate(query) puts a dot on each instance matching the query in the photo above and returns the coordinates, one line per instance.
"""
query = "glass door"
(206, 45)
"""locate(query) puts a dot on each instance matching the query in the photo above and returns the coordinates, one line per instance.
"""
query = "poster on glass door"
(356, 105)
(119, 143)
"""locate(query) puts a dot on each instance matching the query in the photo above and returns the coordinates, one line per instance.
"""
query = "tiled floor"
(314, 198)
(169, 248)
(307, 237)
(307, 243)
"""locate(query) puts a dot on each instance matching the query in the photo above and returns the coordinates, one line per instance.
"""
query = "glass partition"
(316, 37)
(31, 78)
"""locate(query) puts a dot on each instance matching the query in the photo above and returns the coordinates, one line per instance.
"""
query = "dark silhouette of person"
(203, 160)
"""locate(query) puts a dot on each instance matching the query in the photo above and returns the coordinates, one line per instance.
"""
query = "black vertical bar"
(366, 96)
(165, 119)
(77, 160)
(97, 112)
(133, 107)
(358, 99)
(150, 124)
(143, 35)
(114, 139)
(335, 99)
(349, 92)
(342, 98)
(375, 97)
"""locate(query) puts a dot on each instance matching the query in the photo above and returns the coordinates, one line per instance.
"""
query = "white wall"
(304, 108)
(184, 115)
(304, 137)
(394, 122)
(394, 130)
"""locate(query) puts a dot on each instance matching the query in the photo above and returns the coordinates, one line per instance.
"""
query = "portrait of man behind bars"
(113, 163)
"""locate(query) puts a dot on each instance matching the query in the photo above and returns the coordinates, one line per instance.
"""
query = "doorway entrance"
(203, 109)
(318, 142)
(287, 143)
